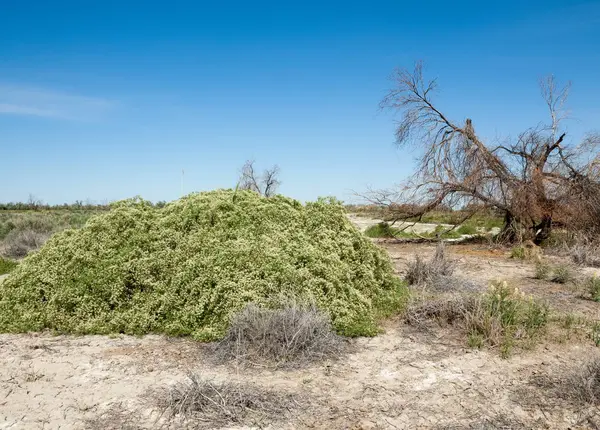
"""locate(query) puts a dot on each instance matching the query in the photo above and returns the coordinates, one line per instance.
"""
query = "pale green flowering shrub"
(185, 269)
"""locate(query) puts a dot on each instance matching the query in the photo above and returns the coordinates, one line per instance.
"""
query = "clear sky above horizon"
(107, 100)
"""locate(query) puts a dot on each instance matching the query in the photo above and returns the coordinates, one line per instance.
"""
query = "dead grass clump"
(579, 386)
(18, 243)
(115, 417)
(210, 404)
(585, 384)
(422, 272)
(585, 253)
(292, 335)
(442, 310)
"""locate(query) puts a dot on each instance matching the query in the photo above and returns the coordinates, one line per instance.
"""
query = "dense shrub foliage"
(185, 269)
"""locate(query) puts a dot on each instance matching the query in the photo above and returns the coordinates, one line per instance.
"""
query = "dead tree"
(265, 184)
(530, 179)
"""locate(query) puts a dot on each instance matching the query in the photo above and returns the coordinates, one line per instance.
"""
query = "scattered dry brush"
(502, 317)
(210, 404)
(422, 272)
(291, 335)
(577, 386)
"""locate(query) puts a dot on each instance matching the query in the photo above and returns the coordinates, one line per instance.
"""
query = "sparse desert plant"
(518, 252)
(212, 404)
(502, 317)
(420, 271)
(595, 333)
(562, 274)
(526, 251)
(7, 266)
(506, 316)
(499, 421)
(542, 270)
(585, 383)
(116, 416)
(592, 285)
(290, 335)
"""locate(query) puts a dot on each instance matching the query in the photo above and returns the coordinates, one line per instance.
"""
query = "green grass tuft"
(467, 229)
(382, 231)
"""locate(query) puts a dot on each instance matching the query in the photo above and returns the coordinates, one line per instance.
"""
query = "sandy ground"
(364, 222)
(409, 227)
(402, 379)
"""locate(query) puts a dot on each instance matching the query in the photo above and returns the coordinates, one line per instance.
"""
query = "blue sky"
(107, 100)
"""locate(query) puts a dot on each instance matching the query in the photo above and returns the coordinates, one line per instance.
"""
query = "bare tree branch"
(530, 179)
(265, 184)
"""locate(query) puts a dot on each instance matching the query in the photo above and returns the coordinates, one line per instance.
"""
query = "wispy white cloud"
(19, 100)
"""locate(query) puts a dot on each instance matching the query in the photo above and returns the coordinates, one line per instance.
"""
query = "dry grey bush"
(292, 335)
(583, 385)
(18, 243)
(444, 310)
(210, 404)
(422, 272)
(579, 386)
(436, 274)
(585, 253)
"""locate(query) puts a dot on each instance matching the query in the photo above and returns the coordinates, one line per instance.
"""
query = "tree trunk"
(543, 230)
(511, 231)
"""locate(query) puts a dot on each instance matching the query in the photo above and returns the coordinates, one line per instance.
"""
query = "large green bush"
(185, 269)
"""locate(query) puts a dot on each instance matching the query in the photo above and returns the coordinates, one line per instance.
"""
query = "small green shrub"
(506, 317)
(381, 230)
(526, 251)
(542, 270)
(475, 340)
(503, 317)
(7, 266)
(592, 285)
(440, 231)
(562, 274)
(518, 252)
